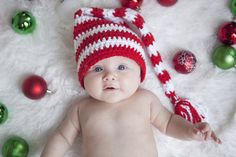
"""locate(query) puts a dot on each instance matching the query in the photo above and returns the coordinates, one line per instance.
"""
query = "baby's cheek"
(131, 84)
(90, 84)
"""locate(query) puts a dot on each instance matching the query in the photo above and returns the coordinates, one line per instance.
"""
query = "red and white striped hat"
(102, 33)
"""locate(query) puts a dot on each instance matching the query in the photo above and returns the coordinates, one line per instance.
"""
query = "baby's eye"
(98, 69)
(122, 67)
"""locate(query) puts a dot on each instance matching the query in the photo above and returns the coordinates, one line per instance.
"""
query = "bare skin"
(116, 121)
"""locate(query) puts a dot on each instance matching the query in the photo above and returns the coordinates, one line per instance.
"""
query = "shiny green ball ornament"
(233, 6)
(224, 57)
(15, 147)
(3, 113)
(23, 22)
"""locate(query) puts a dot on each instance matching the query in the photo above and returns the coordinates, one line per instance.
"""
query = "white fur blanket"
(48, 52)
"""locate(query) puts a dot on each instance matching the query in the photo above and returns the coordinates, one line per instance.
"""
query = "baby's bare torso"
(117, 130)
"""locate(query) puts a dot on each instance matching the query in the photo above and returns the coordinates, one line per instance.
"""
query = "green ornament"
(3, 113)
(224, 57)
(233, 6)
(23, 22)
(15, 147)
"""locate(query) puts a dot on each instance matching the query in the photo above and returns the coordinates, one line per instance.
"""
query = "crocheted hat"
(102, 33)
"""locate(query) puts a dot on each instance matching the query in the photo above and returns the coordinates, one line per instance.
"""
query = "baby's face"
(113, 79)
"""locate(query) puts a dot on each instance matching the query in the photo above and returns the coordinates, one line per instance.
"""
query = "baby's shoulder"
(80, 102)
(146, 93)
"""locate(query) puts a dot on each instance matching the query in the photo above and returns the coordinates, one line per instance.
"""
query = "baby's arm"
(64, 135)
(177, 127)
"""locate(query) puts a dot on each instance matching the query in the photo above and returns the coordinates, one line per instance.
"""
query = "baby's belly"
(120, 143)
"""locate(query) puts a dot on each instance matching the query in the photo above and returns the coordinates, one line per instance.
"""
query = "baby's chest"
(113, 122)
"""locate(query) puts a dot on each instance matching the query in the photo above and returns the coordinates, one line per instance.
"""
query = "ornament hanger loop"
(234, 19)
(51, 92)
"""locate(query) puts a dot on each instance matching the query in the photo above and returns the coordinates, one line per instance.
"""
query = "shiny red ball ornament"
(34, 87)
(133, 4)
(227, 33)
(184, 62)
(167, 3)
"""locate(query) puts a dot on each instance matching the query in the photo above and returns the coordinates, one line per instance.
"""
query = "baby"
(116, 119)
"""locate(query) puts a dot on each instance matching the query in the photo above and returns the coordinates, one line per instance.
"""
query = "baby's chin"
(113, 99)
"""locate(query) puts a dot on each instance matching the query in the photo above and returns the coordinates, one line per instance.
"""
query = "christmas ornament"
(184, 61)
(224, 57)
(23, 22)
(227, 33)
(167, 3)
(15, 147)
(35, 87)
(233, 6)
(133, 4)
(3, 113)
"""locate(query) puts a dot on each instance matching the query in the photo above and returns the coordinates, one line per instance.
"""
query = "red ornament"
(34, 87)
(184, 62)
(167, 3)
(227, 33)
(133, 4)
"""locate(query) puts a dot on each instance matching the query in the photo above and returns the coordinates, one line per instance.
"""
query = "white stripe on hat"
(168, 87)
(109, 15)
(152, 50)
(159, 68)
(84, 19)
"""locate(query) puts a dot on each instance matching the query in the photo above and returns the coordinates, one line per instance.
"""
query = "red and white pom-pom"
(185, 109)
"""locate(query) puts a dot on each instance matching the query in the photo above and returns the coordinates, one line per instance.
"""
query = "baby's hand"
(202, 131)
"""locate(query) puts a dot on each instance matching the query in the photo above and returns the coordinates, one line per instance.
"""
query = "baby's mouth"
(110, 88)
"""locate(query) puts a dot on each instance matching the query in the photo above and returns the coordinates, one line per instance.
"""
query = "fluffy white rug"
(48, 52)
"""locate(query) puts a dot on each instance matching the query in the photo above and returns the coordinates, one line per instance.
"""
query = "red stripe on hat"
(105, 35)
(148, 39)
(138, 21)
(78, 13)
(99, 55)
(172, 96)
(86, 25)
(97, 12)
(119, 12)
(156, 59)
(163, 76)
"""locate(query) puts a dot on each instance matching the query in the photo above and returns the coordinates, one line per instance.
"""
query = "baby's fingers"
(206, 131)
(197, 134)
(215, 138)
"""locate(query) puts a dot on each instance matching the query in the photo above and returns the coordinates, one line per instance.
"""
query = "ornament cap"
(50, 92)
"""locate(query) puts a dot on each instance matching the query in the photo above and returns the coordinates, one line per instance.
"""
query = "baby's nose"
(110, 76)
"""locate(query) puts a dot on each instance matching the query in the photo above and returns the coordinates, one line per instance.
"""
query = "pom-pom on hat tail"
(102, 33)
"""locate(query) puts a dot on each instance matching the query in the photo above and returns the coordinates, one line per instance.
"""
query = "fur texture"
(48, 52)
